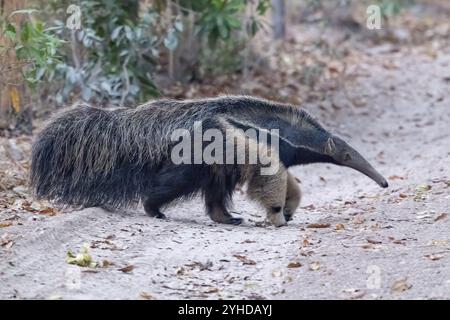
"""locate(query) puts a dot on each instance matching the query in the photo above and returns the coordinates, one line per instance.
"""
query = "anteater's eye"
(347, 157)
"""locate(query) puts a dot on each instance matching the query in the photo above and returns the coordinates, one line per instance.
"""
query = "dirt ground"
(350, 239)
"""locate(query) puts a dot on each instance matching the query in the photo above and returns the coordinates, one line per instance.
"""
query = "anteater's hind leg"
(270, 191)
(152, 207)
(171, 182)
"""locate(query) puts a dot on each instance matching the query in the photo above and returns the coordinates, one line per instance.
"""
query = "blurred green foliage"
(391, 8)
(113, 57)
(35, 46)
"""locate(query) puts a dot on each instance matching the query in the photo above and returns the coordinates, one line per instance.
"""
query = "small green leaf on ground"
(423, 187)
(82, 259)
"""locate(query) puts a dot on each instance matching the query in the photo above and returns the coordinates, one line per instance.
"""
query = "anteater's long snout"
(358, 162)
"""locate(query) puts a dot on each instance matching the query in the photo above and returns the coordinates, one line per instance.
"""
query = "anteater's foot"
(220, 215)
(156, 214)
(229, 220)
(287, 216)
(152, 212)
(234, 221)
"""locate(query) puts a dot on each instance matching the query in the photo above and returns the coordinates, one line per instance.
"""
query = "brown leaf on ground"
(292, 265)
(434, 256)
(107, 263)
(358, 220)
(314, 266)
(373, 241)
(390, 65)
(396, 177)
(127, 269)
(244, 260)
(146, 296)
(39, 207)
(442, 216)
(401, 286)
(202, 266)
(212, 290)
(339, 226)
(5, 241)
(318, 225)
(353, 293)
(5, 224)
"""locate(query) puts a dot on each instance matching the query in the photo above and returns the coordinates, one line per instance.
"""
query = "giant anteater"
(89, 156)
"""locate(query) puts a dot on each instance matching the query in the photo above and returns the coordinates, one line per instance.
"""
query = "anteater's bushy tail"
(89, 156)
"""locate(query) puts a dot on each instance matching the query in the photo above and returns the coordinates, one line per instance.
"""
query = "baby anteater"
(90, 156)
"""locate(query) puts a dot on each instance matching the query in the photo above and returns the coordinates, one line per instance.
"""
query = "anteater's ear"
(330, 147)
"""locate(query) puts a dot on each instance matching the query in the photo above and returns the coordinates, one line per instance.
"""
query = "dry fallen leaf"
(434, 256)
(440, 243)
(294, 265)
(244, 259)
(423, 187)
(358, 220)
(107, 263)
(212, 290)
(6, 243)
(82, 259)
(390, 65)
(401, 285)
(277, 273)
(127, 269)
(146, 296)
(353, 293)
(339, 226)
(373, 241)
(395, 177)
(5, 224)
(314, 266)
(318, 225)
(442, 216)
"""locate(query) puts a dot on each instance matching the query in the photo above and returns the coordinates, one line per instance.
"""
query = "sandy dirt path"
(375, 243)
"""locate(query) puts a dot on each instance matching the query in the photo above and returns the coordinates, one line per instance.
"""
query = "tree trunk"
(12, 88)
(278, 18)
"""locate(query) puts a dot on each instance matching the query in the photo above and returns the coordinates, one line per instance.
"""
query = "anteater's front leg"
(270, 192)
(220, 214)
(218, 195)
(293, 196)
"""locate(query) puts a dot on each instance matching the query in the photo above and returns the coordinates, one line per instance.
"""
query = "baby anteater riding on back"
(90, 156)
